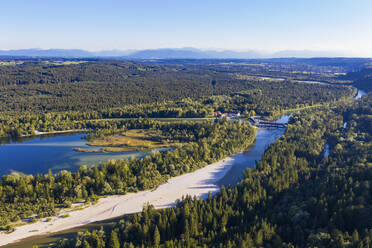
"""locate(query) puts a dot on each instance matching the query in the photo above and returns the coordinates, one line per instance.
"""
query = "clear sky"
(267, 25)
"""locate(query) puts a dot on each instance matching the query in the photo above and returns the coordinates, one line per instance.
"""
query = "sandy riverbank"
(198, 183)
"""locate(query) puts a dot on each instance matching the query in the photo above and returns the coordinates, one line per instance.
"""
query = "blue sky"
(267, 25)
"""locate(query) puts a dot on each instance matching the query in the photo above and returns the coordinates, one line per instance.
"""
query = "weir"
(271, 124)
(264, 123)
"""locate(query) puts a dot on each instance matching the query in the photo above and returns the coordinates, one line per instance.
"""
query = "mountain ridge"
(167, 53)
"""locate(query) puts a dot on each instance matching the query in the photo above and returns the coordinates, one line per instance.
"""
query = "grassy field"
(86, 150)
(64, 62)
(129, 141)
(120, 149)
(10, 63)
(107, 149)
(157, 119)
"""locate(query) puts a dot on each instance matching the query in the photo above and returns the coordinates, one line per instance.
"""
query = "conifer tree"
(114, 240)
(156, 237)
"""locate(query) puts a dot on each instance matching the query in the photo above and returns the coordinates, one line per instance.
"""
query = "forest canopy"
(39, 96)
(294, 197)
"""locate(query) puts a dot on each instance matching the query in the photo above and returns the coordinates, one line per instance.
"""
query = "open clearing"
(131, 140)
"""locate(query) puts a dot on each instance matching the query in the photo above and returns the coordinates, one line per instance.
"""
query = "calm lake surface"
(34, 155)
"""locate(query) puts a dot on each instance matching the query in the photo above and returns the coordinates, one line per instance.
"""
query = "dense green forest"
(296, 196)
(22, 196)
(46, 97)
(362, 79)
(269, 99)
(100, 85)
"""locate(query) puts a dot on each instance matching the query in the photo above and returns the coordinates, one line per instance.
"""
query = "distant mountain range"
(166, 53)
(63, 53)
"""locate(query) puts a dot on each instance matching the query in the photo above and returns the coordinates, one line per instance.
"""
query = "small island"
(129, 141)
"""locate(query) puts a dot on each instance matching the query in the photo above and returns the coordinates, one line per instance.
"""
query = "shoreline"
(198, 183)
(62, 131)
(38, 133)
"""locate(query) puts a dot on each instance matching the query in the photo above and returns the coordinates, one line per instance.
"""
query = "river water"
(326, 149)
(241, 162)
(38, 154)
(248, 159)
(33, 149)
(360, 94)
(34, 155)
(264, 138)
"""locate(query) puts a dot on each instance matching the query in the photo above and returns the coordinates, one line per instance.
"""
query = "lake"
(242, 161)
(38, 154)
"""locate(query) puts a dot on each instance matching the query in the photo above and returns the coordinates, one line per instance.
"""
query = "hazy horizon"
(334, 26)
(182, 53)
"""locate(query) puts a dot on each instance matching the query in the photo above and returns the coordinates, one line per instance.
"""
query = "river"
(326, 149)
(237, 163)
(265, 137)
(248, 158)
(360, 94)
(38, 154)
(32, 155)
(198, 183)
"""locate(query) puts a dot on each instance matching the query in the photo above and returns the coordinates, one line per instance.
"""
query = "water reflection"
(248, 159)
(360, 94)
(264, 138)
(326, 150)
(32, 155)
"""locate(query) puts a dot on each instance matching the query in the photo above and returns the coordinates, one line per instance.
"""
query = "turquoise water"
(264, 138)
(360, 94)
(247, 160)
(34, 155)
